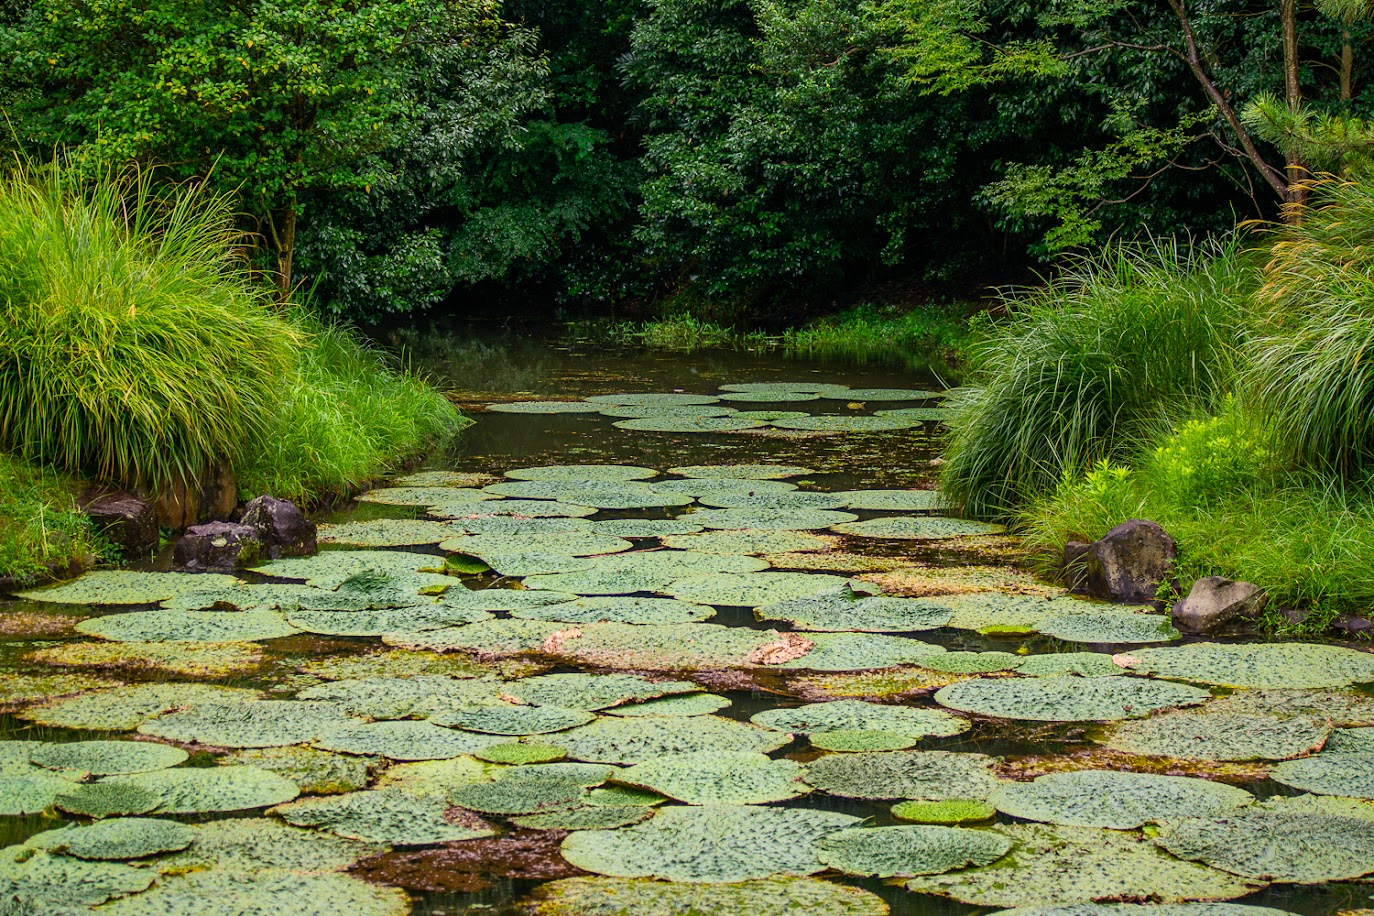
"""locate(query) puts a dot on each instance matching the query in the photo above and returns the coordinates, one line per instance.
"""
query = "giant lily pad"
(716, 486)
(504, 524)
(855, 714)
(491, 638)
(669, 424)
(949, 812)
(511, 719)
(188, 626)
(103, 799)
(1109, 627)
(531, 789)
(602, 580)
(593, 691)
(435, 616)
(972, 662)
(891, 500)
(32, 881)
(597, 494)
(18, 689)
(752, 589)
(741, 471)
(314, 771)
(842, 609)
(332, 568)
(437, 778)
(673, 647)
(123, 708)
(550, 407)
(1345, 774)
(792, 499)
(750, 542)
(861, 740)
(1207, 735)
(621, 610)
(442, 479)
(196, 790)
(835, 423)
(1081, 664)
(423, 496)
(606, 472)
(253, 844)
(768, 897)
(858, 652)
(1351, 741)
(386, 532)
(636, 740)
(30, 794)
(521, 753)
(653, 399)
(383, 816)
(771, 519)
(691, 704)
(119, 586)
(108, 758)
(261, 723)
(120, 838)
(583, 543)
(711, 844)
(644, 527)
(1052, 864)
(903, 852)
(904, 774)
(1344, 707)
(406, 739)
(605, 817)
(232, 893)
(917, 528)
(400, 697)
(196, 659)
(1121, 801)
(1067, 699)
(637, 413)
(242, 596)
(769, 396)
(719, 778)
(534, 563)
(1259, 664)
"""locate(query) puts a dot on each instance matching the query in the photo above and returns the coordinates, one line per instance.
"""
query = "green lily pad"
(30, 794)
(903, 852)
(501, 599)
(232, 893)
(17, 689)
(125, 708)
(950, 811)
(662, 424)
(834, 423)
(1279, 841)
(921, 414)
(890, 394)
(692, 704)
(196, 790)
(386, 532)
(769, 396)
(510, 719)
(792, 499)
(491, 638)
(972, 662)
(254, 844)
(653, 399)
(405, 739)
(442, 479)
(617, 796)
(904, 774)
(531, 789)
(400, 697)
(719, 777)
(752, 589)
(119, 838)
(855, 714)
(1067, 699)
(822, 388)
(387, 816)
(1345, 708)
(534, 563)
(571, 543)
(437, 778)
(604, 817)
(1351, 741)
(521, 753)
(1346, 774)
(1259, 664)
(1145, 909)
(917, 528)
(465, 516)
(550, 407)
(199, 660)
(844, 609)
(768, 416)
(602, 580)
(711, 844)
(768, 897)
(101, 799)
(1081, 664)
(668, 647)
(637, 740)
(861, 740)
(593, 691)
(771, 519)
(242, 596)
(261, 723)
(423, 496)
(1121, 801)
(108, 758)
(859, 652)
(621, 610)
(890, 500)
(595, 493)
(984, 610)
(1207, 735)
(330, 569)
(718, 486)
(379, 623)
(742, 471)
(750, 542)
(637, 413)
(188, 626)
(1053, 864)
(394, 664)
(33, 881)
(1109, 627)
(680, 563)
(526, 526)
(314, 771)
(645, 527)
(119, 586)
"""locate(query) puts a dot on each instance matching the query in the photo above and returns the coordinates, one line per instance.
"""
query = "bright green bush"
(1207, 460)
(39, 522)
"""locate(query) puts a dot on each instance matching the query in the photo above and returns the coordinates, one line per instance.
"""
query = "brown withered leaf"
(472, 865)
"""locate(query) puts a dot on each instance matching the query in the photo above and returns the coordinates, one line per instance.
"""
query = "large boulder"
(1216, 601)
(1127, 563)
(126, 521)
(218, 546)
(212, 496)
(281, 526)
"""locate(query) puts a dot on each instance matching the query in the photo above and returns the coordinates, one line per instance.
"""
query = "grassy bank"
(40, 525)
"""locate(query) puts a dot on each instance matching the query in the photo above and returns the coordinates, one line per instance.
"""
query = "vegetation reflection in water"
(434, 703)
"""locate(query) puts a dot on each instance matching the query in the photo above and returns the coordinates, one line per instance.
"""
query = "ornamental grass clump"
(132, 347)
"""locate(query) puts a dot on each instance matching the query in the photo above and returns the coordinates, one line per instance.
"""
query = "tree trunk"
(284, 242)
(1347, 66)
(1295, 166)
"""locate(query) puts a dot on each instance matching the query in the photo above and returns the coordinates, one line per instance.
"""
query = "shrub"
(39, 522)
(919, 337)
(1207, 460)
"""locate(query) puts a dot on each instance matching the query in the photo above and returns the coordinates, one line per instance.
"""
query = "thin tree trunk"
(283, 227)
(1295, 167)
(1347, 66)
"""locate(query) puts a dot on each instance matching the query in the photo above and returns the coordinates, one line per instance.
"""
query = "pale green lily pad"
(423, 496)
(491, 638)
(510, 719)
(670, 647)
(196, 790)
(645, 527)
(550, 407)
(120, 586)
(792, 499)
(719, 777)
(108, 758)
(125, 708)
(405, 739)
(1346, 774)
(401, 697)
(442, 479)
(711, 844)
(1259, 664)
(1345, 708)
(367, 590)
(120, 838)
(597, 494)
(752, 589)
(636, 413)
(524, 790)
(465, 516)
(637, 740)
(904, 774)
(856, 714)
(617, 796)
(1279, 841)
(501, 599)
(437, 778)
(917, 528)
(570, 543)
(861, 740)
(972, 662)
(534, 563)
(521, 753)
(746, 541)
(1067, 699)
(768, 897)
(35, 882)
(1145, 909)
(1351, 741)
(1053, 864)
(196, 659)
(770, 396)
(16, 689)
(1081, 664)
(985, 610)
(314, 771)
(768, 416)
(386, 532)
(891, 500)
(919, 414)
(716, 486)
(330, 569)
(859, 652)
(618, 609)
(603, 472)
(950, 811)
(387, 816)
(261, 723)
(1207, 735)
(603, 817)
(692, 704)
(601, 580)
(903, 852)
(653, 399)
(243, 844)
(826, 389)
(593, 691)
(32, 793)
(834, 423)
(394, 664)
(436, 616)
(771, 519)
(234, 893)
(188, 626)
(242, 596)
(103, 799)
(1121, 801)
(844, 609)
(889, 394)
(664, 424)
(528, 527)
(742, 471)
(1109, 627)
(679, 563)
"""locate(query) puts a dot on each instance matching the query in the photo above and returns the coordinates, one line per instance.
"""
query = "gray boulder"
(1216, 601)
(218, 546)
(126, 521)
(281, 526)
(1127, 563)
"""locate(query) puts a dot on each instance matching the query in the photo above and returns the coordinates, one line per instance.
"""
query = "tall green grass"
(132, 346)
(1090, 363)
(921, 338)
(40, 524)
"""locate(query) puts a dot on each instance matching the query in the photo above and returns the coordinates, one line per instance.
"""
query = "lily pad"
(442, 479)
(593, 691)
(423, 496)
(602, 580)
(616, 796)
(232, 893)
(654, 399)
(844, 609)
(668, 647)
(636, 413)
(188, 626)
(380, 623)
(719, 777)
(905, 774)
(119, 838)
(891, 500)
(594, 493)
(528, 790)
(550, 407)
(33, 881)
(120, 586)
(752, 589)
(604, 472)
(1067, 699)
(919, 414)
(749, 542)
(645, 527)
(768, 897)
(521, 753)
(330, 569)
(792, 499)
(465, 516)
(125, 708)
(771, 519)
(1345, 708)
(406, 739)
(1351, 741)
(861, 740)
(534, 563)
(769, 396)
(103, 799)
(1259, 664)
(108, 758)
(196, 790)
(504, 524)
(662, 424)
(1109, 627)
(1207, 735)
(491, 638)
(605, 817)
(261, 723)
(951, 811)
(1081, 664)
(1052, 864)
(972, 662)
(742, 471)
(195, 659)
(621, 610)
(903, 852)
(1346, 774)
(18, 689)
(1145, 909)
(714, 844)
(1121, 801)
(386, 532)
(859, 652)
(855, 714)
(400, 697)
(437, 778)
(692, 704)
(244, 844)
(30, 794)
(510, 719)
(917, 528)
(834, 423)
(314, 771)
(387, 816)
(637, 740)
(570, 543)
(394, 664)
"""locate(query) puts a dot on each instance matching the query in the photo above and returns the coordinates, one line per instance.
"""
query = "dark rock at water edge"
(125, 520)
(1216, 601)
(214, 495)
(281, 526)
(1127, 563)
(218, 546)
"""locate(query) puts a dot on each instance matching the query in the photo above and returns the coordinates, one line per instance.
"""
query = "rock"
(218, 546)
(1216, 601)
(1354, 625)
(126, 521)
(213, 496)
(1129, 562)
(1072, 570)
(281, 526)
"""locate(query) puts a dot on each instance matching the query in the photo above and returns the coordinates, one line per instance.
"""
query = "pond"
(704, 640)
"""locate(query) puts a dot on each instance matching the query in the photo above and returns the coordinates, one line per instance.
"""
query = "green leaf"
(903, 852)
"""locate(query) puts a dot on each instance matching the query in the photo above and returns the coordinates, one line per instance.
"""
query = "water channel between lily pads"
(422, 658)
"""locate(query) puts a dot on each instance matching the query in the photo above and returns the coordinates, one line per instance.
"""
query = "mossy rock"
(922, 775)
(119, 838)
(766, 897)
(232, 893)
(817, 718)
(638, 740)
(108, 758)
(126, 708)
(1121, 801)
(387, 816)
(719, 778)
(1262, 665)
(314, 771)
(119, 586)
(187, 790)
(917, 528)
(904, 852)
(1218, 736)
(261, 723)
(950, 811)
(188, 626)
(1067, 699)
